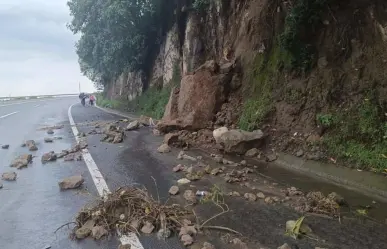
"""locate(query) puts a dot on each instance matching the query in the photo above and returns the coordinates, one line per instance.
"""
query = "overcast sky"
(37, 54)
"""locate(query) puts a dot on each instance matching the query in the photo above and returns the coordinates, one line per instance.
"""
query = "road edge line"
(100, 183)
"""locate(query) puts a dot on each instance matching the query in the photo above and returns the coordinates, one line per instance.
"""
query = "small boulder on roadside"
(271, 157)
(50, 131)
(164, 148)
(174, 190)
(9, 176)
(82, 232)
(250, 197)
(239, 141)
(187, 239)
(217, 133)
(252, 152)
(178, 168)
(71, 182)
(21, 161)
(5, 146)
(299, 153)
(49, 157)
(190, 196)
(183, 181)
(48, 140)
(261, 195)
(147, 228)
(31, 145)
(133, 125)
(98, 232)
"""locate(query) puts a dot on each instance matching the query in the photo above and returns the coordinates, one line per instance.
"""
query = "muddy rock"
(178, 168)
(82, 232)
(31, 145)
(314, 156)
(48, 140)
(71, 182)
(174, 190)
(98, 232)
(239, 243)
(269, 200)
(5, 146)
(93, 132)
(156, 132)
(164, 148)
(243, 163)
(164, 233)
(171, 138)
(133, 126)
(183, 156)
(187, 239)
(118, 138)
(271, 157)
(239, 141)
(312, 139)
(147, 228)
(234, 193)
(49, 157)
(284, 246)
(252, 152)
(293, 191)
(337, 198)
(21, 161)
(50, 131)
(217, 133)
(250, 197)
(299, 153)
(144, 120)
(190, 196)
(183, 181)
(261, 195)
(127, 246)
(9, 176)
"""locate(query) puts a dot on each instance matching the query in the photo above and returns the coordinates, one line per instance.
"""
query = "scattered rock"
(194, 176)
(187, 239)
(156, 132)
(92, 132)
(49, 157)
(269, 200)
(261, 195)
(183, 181)
(252, 152)
(234, 193)
(337, 198)
(9, 176)
(178, 168)
(133, 126)
(300, 153)
(113, 134)
(50, 131)
(48, 140)
(127, 246)
(239, 243)
(71, 182)
(147, 228)
(82, 232)
(171, 138)
(21, 161)
(284, 246)
(164, 233)
(304, 228)
(182, 156)
(217, 133)
(243, 162)
(190, 196)
(174, 190)
(207, 245)
(239, 141)
(250, 197)
(5, 146)
(293, 191)
(271, 157)
(98, 232)
(164, 148)
(144, 120)
(216, 171)
(31, 145)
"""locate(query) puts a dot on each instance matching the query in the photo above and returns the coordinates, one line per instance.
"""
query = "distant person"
(91, 99)
(82, 97)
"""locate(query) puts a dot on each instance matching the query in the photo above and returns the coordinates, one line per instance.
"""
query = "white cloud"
(37, 54)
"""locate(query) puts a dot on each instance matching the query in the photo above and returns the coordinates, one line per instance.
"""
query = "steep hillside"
(310, 73)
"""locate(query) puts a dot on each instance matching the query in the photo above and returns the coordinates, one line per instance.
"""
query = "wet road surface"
(33, 207)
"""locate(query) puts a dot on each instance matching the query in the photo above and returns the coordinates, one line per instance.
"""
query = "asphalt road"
(33, 207)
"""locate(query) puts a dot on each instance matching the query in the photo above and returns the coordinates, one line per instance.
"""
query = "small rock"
(21, 161)
(284, 246)
(48, 140)
(58, 138)
(147, 228)
(164, 234)
(239, 243)
(207, 245)
(49, 157)
(300, 153)
(337, 198)
(178, 168)
(31, 145)
(50, 131)
(250, 197)
(271, 157)
(98, 232)
(182, 156)
(5, 146)
(189, 170)
(82, 232)
(234, 193)
(9, 176)
(190, 196)
(71, 182)
(133, 125)
(156, 132)
(164, 148)
(127, 246)
(183, 181)
(252, 152)
(269, 200)
(243, 162)
(216, 171)
(261, 195)
(276, 199)
(174, 190)
(187, 239)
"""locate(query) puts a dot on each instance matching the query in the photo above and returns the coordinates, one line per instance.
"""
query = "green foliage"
(117, 35)
(262, 77)
(200, 5)
(326, 120)
(302, 20)
(359, 135)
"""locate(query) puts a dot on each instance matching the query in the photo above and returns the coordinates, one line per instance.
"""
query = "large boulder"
(71, 182)
(194, 104)
(239, 141)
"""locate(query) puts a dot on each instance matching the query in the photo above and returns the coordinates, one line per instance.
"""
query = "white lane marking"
(9, 114)
(100, 184)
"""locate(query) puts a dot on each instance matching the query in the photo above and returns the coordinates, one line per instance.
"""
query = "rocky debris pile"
(113, 134)
(9, 176)
(238, 141)
(5, 146)
(71, 182)
(31, 145)
(130, 209)
(21, 161)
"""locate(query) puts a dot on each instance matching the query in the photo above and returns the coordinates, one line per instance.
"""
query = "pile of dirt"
(113, 134)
